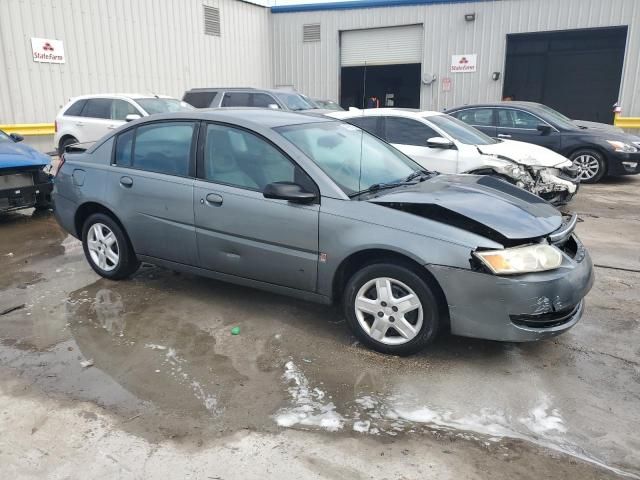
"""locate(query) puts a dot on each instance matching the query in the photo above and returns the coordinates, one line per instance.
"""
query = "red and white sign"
(446, 84)
(464, 63)
(46, 50)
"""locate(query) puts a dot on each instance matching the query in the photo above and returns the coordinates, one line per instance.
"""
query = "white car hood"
(525, 153)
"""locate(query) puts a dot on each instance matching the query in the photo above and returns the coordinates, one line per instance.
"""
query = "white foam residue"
(362, 426)
(542, 419)
(153, 346)
(308, 409)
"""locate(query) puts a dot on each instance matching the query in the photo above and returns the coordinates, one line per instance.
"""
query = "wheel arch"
(358, 260)
(89, 208)
(595, 148)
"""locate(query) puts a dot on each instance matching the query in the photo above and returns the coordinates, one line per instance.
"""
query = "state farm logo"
(47, 50)
(47, 47)
(463, 63)
(463, 60)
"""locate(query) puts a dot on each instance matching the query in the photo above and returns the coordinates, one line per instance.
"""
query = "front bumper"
(621, 163)
(516, 308)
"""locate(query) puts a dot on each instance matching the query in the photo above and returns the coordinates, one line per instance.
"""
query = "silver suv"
(319, 209)
(276, 99)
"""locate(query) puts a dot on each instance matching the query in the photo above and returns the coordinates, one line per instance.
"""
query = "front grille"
(546, 320)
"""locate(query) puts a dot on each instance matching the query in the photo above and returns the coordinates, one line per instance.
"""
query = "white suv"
(90, 117)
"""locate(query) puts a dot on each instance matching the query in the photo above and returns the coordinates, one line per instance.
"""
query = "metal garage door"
(381, 46)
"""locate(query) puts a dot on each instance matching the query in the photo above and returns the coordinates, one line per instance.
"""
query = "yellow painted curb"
(626, 122)
(28, 129)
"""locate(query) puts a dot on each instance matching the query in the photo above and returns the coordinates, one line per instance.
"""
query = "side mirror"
(16, 138)
(439, 142)
(543, 129)
(288, 191)
(132, 116)
(274, 106)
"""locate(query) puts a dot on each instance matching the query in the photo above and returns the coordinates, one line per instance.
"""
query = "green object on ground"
(235, 331)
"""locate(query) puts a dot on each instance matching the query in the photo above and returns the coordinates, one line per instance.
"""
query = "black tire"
(405, 275)
(127, 263)
(65, 143)
(597, 156)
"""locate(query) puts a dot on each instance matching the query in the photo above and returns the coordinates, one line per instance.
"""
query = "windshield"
(558, 118)
(294, 101)
(163, 105)
(353, 158)
(460, 131)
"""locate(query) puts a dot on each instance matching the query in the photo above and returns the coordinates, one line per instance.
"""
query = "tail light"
(59, 167)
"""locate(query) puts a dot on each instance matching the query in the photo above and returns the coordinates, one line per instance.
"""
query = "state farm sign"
(46, 50)
(464, 63)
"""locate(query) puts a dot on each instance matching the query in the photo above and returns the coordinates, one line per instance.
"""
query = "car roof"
(133, 96)
(510, 103)
(247, 116)
(375, 112)
(242, 89)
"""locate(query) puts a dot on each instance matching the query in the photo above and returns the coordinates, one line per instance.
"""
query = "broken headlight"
(532, 258)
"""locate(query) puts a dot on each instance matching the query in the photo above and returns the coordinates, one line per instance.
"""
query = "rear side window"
(124, 146)
(75, 110)
(509, 118)
(97, 108)
(199, 99)
(236, 99)
(262, 100)
(164, 147)
(369, 124)
(482, 117)
(405, 131)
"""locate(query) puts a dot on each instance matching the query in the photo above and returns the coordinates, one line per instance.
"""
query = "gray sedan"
(321, 210)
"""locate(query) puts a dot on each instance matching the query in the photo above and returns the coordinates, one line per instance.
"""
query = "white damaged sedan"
(445, 144)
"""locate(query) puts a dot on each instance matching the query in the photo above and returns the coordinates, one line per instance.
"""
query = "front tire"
(391, 309)
(65, 143)
(107, 248)
(590, 164)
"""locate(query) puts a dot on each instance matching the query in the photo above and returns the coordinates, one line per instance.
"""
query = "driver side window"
(509, 118)
(406, 131)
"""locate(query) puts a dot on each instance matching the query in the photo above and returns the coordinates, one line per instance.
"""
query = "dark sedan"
(596, 152)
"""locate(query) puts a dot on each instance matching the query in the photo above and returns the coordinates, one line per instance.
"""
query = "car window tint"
(510, 118)
(236, 157)
(124, 144)
(97, 108)
(406, 131)
(236, 99)
(75, 110)
(164, 147)
(262, 100)
(482, 117)
(121, 108)
(199, 99)
(370, 124)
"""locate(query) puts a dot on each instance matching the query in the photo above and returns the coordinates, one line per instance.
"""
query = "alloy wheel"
(587, 165)
(389, 311)
(103, 247)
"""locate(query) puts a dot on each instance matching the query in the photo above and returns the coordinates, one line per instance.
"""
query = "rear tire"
(591, 165)
(107, 248)
(391, 309)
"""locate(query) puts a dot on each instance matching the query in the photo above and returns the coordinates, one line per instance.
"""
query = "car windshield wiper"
(421, 174)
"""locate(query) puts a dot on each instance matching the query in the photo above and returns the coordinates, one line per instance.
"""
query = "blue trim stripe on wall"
(310, 7)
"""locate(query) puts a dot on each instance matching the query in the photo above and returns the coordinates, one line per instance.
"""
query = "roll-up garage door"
(381, 46)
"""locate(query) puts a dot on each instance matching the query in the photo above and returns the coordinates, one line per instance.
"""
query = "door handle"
(112, 127)
(79, 124)
(504, 135)
(214, 199)
(126, 181)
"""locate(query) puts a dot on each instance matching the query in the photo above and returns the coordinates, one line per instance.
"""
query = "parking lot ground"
(168, 392)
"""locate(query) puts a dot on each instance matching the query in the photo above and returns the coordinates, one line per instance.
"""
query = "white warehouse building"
(578, 56)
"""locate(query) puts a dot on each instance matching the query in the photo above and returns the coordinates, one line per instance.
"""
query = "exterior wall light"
(470, 17)
(495, 76)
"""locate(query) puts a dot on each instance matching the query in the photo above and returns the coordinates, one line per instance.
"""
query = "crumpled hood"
(524, 153)
(480, 204)
(13, 155)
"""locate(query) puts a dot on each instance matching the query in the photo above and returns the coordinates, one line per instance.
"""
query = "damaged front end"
(557, 185)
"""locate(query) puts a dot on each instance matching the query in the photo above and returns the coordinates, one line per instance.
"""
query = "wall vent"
(311, 32)
(211, 20)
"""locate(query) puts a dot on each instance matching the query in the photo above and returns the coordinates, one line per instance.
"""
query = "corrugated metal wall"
(126, 46)
(314, 67)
